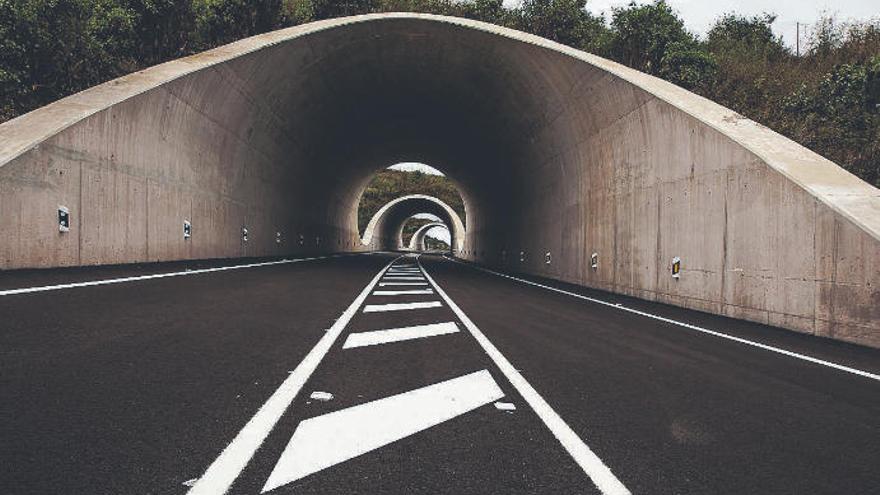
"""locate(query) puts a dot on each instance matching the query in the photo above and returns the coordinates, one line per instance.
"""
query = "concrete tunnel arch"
(417, 241)
(554, 151)
(385, 229)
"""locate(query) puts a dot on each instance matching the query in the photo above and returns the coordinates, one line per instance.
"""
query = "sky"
(699, 15)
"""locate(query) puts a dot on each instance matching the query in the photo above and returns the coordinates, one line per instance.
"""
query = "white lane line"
(92, 283)
(404, 270)
(591, 464)
(378, 308)
(393, 279)
(324, 441)
(377, 337)
(402, 292)
(220, 475)
(387, 284)
(689, 326)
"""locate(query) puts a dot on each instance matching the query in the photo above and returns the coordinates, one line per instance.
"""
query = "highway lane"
(142, 386)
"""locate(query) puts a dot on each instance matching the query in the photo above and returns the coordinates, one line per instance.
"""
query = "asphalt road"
(309, 377)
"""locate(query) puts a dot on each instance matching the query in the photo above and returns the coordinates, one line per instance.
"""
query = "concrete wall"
(554, 151)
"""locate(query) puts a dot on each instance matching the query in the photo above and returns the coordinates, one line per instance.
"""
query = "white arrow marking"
(377, 337)
(378, 308)
(321, 442)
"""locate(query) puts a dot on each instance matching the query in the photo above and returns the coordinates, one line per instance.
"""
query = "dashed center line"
(363, 339)
(402, 292)
(378, 308)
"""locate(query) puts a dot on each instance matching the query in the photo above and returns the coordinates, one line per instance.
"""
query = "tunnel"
(262, 147)
(385, 229)
(417, 241)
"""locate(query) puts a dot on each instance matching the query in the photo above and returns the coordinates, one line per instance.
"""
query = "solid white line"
(378, 308)
(324, 441)
(225, 469)
(591, 464)
(689, 326)
(386, 284)
(362, 339)
(92, 283)
(401, 292)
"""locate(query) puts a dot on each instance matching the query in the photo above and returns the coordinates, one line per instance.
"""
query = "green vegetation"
(391, 184)
(826, 99)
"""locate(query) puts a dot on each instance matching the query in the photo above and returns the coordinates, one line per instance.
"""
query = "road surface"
(392, 374)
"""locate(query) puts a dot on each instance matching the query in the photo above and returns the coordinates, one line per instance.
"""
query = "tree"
(642, 34)
(689, 65)
(565, 21)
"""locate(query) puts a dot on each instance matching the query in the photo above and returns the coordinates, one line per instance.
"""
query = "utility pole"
(797, 42)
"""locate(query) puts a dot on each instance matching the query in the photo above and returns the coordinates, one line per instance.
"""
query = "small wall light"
(676, 267)
(522, 256)
(594, 261)
(187, 229)
(244, 234)
(277, 237)
(547, 258)
(302, 240)
(63, 219)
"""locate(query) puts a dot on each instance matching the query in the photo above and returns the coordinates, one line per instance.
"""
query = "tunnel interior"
(560, 157)
(385, 230)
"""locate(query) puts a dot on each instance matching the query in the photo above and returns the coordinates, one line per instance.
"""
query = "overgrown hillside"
(391, 184)
(826, 99)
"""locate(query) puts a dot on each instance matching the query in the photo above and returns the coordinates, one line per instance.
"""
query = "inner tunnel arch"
(417, 241)
(554, 151)
(385, 229)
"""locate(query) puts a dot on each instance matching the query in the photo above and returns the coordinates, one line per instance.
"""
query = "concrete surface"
(555, 151)
(417, 241)
(384, 232)
(137, 387)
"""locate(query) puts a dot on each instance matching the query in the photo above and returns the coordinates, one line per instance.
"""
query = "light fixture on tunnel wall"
(244, 234)
(594, 261)
(277, 237)
(547, 258)
(676, 267)
(522, 256)
(63, 219)
(187, 229)
(317, 240)
(302, 240)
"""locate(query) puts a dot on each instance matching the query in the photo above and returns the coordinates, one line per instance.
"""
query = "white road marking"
(321, 396)
(362, 339)
(591, 464)
(401, 292)
(414, 270)
(391, 278)
(386, 284)
(225, 469)
(689, 326)
(378, 308)
(324, 441)
(505, 406)
(92, 283)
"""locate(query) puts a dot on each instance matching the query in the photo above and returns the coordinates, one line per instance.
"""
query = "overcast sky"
(699, 15)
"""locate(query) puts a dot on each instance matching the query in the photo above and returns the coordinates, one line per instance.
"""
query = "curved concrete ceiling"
(554, 150)
(385, 229)
(417, 241)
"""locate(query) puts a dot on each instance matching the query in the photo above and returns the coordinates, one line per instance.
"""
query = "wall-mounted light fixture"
(277, 237)
(676, 267)
(187, 229)
(547, 258)
(522, 256)
(63, 219)
(594, 261)
(302, 240)
(244, 234)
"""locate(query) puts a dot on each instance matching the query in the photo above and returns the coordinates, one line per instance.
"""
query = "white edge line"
(92, 283)
(222, 473)
(591, 464)
(766, 347)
